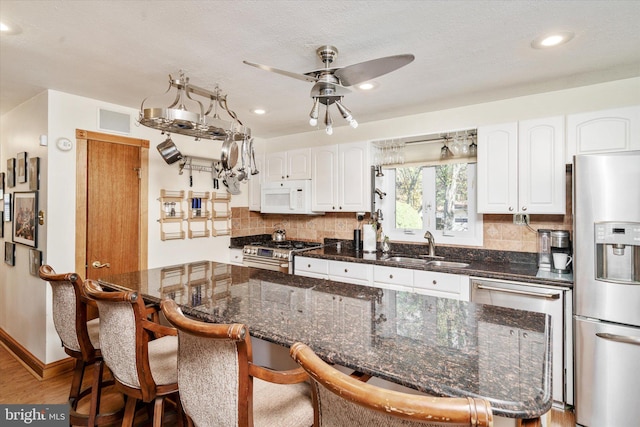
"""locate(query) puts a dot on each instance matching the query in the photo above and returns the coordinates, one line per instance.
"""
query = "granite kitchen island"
(438, 346)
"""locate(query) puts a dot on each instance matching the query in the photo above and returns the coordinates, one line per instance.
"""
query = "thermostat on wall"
(64, 144)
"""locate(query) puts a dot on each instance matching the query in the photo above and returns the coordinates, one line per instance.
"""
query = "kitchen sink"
(421, 261)
(451, 264)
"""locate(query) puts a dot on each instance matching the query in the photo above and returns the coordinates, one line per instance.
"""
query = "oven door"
(271, 264)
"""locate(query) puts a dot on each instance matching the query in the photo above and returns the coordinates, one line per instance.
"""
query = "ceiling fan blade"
(334, 89)
(363, 71)
(283, 72)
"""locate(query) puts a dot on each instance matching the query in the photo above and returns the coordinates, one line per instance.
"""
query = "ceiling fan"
(331, 84)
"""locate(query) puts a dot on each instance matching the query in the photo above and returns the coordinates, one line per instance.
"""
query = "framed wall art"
(9, 253)
(35, 261)
(34, 173)
(1, 204)
(21, 167)
(11, 172)
(25, 209)
(7, 207)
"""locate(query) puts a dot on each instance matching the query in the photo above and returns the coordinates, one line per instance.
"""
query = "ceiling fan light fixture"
(346, 113)
(313, 115)
(328, 122)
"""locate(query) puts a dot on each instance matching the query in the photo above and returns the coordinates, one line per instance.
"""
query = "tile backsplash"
(499, 231)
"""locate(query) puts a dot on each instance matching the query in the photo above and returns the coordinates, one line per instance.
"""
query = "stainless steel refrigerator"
(607, 288)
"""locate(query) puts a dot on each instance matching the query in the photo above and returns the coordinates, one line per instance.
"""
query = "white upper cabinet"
(285, 165)
(521, 167)
(603, 131)
(255, 184)
(341, 180)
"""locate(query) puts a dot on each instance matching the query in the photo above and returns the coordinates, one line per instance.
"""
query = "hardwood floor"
(18, 385)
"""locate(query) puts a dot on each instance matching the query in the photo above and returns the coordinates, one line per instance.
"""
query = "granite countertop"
(516, 266)
(440, 346)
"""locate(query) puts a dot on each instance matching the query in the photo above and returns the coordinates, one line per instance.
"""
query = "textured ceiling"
(466, 51)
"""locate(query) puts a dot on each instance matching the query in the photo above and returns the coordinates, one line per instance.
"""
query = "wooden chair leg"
(96, 388)
(158, 411)
(129, 412)
(76, 383)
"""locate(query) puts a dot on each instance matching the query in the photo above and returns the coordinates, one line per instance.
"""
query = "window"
(439, 198)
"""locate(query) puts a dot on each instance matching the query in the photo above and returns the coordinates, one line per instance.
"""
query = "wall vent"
(114, 121)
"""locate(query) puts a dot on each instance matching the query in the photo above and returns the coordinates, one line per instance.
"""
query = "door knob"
(98, 264)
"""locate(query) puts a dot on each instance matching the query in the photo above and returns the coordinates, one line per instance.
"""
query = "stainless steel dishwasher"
(553, 300)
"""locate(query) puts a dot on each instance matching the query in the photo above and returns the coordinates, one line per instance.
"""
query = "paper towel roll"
(369, 238)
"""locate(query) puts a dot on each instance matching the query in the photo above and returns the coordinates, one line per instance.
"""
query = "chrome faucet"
(431, 242)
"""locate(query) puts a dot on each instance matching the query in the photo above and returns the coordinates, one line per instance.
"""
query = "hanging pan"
(229, 154)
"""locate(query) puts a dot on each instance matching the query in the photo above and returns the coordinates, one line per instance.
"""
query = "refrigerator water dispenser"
(618, 252)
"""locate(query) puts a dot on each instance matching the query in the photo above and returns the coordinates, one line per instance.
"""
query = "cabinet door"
(236, 256)
(498, 168)
(298, 164)
(602, 131)
(255, 184)
(541, 167)
(354, 185)
(324, 178)
(311, 267)
(351, 272)
(275, 168)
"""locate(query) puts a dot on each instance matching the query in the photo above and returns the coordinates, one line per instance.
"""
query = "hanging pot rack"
(205, 123)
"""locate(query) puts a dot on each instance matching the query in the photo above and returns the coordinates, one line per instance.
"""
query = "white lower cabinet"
(236, 256)
(442, 285)
(311, 267)
(351, 272)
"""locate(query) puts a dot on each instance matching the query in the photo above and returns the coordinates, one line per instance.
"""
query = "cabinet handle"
(515, 291)
(510, 209)
(524, 208)
(346, 270)
(341, 207)
(308, 265)
(333, 207)
(287, 176)
(391, 276)
(435, 282)
(282, 176)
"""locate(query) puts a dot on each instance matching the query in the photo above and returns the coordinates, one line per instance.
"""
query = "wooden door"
(111, 209)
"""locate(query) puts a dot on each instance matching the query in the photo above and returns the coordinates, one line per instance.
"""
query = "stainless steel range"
(275, 256)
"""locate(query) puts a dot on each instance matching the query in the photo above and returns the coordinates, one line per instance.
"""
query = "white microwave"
(287, 197)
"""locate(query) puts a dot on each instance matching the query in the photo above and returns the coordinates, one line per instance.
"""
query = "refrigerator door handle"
(515, 291)
(619, 338)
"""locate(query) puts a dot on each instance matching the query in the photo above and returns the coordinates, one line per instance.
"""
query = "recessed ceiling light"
(551, 40)
(259, 111)
(368, 85)
(9, 28)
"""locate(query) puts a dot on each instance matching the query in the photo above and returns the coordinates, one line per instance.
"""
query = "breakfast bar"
(438, 346)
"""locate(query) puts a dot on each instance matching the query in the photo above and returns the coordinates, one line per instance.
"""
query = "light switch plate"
(64, 144)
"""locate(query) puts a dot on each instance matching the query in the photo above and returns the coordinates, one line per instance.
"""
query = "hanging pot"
(229, 154)
(169, 151)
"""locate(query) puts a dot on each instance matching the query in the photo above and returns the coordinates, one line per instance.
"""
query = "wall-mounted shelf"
(221, 214)
(199, 215)
(171, 214)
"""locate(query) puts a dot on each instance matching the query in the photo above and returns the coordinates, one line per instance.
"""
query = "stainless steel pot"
(279, 235)
(169, 151)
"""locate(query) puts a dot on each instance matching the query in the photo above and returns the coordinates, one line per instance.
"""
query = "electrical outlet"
(360, 216)
(521, 219)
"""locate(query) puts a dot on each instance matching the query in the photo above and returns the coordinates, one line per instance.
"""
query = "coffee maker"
(560, 252)
(544, 250)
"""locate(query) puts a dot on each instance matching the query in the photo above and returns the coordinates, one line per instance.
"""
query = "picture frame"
(2, 204)
(11, 172)
(21, 167)
(7, 207)
(35, 261)
(34, 173)
(25, 221)
(10, 253)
